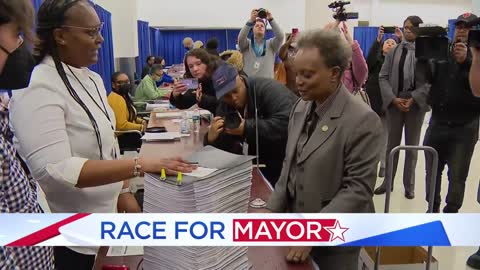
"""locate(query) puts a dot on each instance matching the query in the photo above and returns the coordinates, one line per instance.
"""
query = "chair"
(129, 140)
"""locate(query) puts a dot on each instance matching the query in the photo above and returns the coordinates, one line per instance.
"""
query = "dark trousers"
(412, 122)
(67, 259)
(455, 146)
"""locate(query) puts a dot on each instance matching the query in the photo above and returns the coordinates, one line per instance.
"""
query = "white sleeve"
(38, 120)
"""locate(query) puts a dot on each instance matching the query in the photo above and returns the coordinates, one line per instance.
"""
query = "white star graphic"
(336, 231)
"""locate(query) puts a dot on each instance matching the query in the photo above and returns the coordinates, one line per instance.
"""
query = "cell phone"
(294, 32)
(232, 120)
(156, 130)
(474, 38)
(389, 29)
(190, 83)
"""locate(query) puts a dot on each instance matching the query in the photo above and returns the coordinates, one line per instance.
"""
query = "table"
(264, 258)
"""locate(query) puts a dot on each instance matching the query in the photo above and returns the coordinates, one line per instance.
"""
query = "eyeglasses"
(93, 32)
(19, 44)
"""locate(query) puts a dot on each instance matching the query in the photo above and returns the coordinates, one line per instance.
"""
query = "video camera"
(431, 43)
(340, 12)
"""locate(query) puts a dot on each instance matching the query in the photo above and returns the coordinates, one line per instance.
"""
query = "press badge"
(245, 148)
(256, 65)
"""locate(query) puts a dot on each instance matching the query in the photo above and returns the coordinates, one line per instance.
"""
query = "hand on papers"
(171, 166)
(298, 254)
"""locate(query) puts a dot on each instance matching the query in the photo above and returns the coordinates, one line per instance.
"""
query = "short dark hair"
(158, 60)
(116, 75)
(334, 50)
(155, 69)
(415, 20)
(212, 44)
(150, 57)
(20, 12)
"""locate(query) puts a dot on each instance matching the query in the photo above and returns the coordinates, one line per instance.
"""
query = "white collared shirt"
(55, 137)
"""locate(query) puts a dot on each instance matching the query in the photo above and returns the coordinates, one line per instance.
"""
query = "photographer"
(453, 129)
(405, 100)
(234, 129)
(258, 53)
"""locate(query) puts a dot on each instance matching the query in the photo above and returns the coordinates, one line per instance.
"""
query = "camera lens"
(262, 13)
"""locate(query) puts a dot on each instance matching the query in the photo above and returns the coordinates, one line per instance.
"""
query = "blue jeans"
(455, 146)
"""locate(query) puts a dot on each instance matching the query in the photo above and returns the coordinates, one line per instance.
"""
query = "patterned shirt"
(18, 194)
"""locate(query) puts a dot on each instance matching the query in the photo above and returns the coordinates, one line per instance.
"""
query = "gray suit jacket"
(336, 171)
(389, 83)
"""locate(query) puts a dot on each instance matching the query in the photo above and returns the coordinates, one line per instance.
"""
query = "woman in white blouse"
(64, 126)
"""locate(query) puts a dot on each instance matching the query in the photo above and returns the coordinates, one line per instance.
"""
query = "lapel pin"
(325, 128)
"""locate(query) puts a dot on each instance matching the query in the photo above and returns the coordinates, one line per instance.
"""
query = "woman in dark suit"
(333, 147)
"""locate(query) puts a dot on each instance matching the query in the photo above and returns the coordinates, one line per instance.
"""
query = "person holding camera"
(235, 128)
(375, 59)
(405, 100)
(454, 125)
(258, 53)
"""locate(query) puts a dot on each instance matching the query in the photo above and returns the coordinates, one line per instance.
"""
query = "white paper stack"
(221, 185)
(163, 136)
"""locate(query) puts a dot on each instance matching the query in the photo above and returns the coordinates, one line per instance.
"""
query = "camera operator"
(405, 100)
(258, 53)
(239, 97)
(453, 129)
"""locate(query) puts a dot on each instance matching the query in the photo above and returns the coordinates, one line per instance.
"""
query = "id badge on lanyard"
(245, 144)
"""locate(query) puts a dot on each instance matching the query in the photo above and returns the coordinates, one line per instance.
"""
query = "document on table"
(124, 251)
(201, 172)
(169, 115)
(151, 107)
(164, 136)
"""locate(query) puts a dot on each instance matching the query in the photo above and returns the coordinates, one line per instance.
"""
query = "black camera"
(340, 13)
(262, 13)
(474, 38)
(431, 43)
(232, 120)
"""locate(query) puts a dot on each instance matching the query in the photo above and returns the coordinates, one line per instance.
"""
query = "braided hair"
(51, 16)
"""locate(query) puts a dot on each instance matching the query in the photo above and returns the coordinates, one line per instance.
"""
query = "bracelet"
(137, 169)
(125, 190)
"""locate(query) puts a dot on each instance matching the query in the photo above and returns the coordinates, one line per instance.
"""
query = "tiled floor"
(449, 258)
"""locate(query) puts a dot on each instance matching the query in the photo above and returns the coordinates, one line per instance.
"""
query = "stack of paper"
(160, 106)
(221, 184)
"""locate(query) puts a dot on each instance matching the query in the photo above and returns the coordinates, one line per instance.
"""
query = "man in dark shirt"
(453, 129)
(239, 98)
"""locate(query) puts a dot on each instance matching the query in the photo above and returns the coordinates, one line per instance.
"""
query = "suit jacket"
(389, 82)
(336, 171)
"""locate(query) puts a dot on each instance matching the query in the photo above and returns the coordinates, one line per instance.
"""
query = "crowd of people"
(321, 145)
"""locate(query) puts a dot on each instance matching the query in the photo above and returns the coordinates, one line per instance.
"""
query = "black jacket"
(375, 62)
(187, 100)
(451, 97)
(274, 102)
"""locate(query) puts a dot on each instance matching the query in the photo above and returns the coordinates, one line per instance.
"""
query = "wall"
(124, 26)
(390, 12)
(394, 12)
(219, 13)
